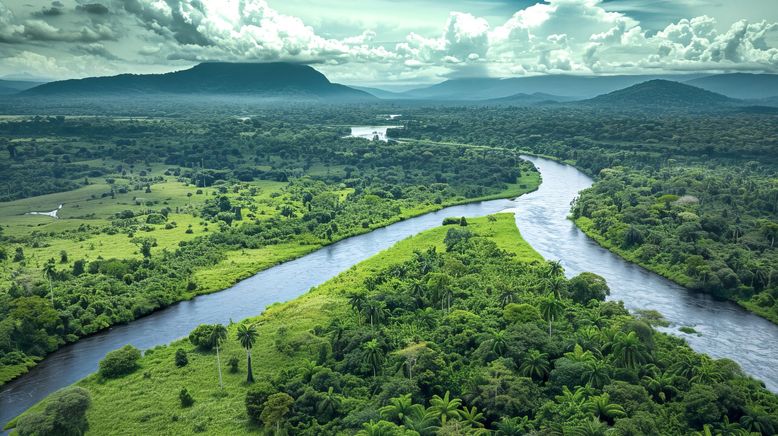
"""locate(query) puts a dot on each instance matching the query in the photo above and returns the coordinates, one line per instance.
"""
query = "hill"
(253, 79)
(739, 85)
(523, 99)
(665, 94)
(8, 87)
(559, 85)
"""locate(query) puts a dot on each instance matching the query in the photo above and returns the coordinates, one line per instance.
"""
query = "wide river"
(726, 330)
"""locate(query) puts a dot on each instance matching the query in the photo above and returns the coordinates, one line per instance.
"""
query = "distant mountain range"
(279, 80)
(567, 87)
(660, 94)
(291, 82)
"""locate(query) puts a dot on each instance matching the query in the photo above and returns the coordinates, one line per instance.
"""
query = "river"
(727, 330)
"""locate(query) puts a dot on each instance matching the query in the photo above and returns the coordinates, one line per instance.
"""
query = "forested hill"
(278, 79)
(661, 94)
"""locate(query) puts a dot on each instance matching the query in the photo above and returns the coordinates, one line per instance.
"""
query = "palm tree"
(445, 407)
(601, 407)
(554, 268)
(247, 336)
(507, 296)
(555, 285)
(629, 351)
(398, 408)
(579, 355)
(757, 421)
(218, 334)
(499, 343)
(551, 308)
(727, 428)
(328, 405)
(590, 428)
(375, 311)
(472, 417)
(373, 354)
(357, 302)
(576, 397)
(660, 386)
(514, 426)
(535, 364)
(48, 271)
(422, 421)
(596, 373)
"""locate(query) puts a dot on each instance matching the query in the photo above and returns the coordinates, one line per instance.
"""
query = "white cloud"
(572, 36)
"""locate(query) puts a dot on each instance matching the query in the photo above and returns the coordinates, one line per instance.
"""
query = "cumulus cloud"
(552, 36)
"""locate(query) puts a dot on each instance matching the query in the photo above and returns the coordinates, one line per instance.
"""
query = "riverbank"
(586, 226)
(149, 396)
(241, 264)
(313, 352)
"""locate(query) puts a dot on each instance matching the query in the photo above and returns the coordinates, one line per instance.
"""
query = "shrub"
(255, 399)
(120, 362)
(156, 218)
(181, 358)
(65, 414)
(186, 398)
(200, 337)
(233, 363)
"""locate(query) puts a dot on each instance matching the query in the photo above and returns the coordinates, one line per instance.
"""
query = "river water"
(727, 330)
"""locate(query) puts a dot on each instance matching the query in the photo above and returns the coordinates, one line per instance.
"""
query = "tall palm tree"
(551, 308)
(579, 355)
(48, 271)
(757, 421)
(373, 354)
(629, 351)
(445, 407)
(218, 334)
(357, 302)
(247, 336)
(535, 364)
(375, 311)
(555, 285)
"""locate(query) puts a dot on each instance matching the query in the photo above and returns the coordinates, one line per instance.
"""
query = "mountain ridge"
(277, 79)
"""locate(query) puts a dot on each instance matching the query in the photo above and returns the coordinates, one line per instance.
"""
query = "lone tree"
(219, 334)
(247, 336)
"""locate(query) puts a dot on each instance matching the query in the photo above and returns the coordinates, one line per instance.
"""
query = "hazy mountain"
(740, 85)
(523, 99)
(660, 94)
(8, 87)
(278, 79)
(560, 85)
(380, 93)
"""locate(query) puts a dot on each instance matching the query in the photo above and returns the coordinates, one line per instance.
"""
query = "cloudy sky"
(383, 42)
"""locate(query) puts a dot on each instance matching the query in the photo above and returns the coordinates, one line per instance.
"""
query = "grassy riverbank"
(146, 402)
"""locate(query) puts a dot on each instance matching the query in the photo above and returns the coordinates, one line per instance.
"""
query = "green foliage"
(185, 398)
(120, 362)
(181, 358)
(65, 415)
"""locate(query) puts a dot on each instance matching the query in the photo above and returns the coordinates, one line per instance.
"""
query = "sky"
(390, 43)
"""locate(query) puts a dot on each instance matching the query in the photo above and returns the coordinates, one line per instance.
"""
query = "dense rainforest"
(160, 210)
(691, 197)
(463, 329)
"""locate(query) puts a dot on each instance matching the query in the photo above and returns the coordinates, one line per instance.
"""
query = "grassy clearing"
(146, 402)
